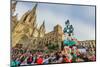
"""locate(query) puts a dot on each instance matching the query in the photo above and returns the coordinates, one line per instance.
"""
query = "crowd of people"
(24, 56)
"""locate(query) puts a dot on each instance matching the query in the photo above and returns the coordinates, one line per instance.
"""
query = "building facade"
(88, 43)
(26, 32)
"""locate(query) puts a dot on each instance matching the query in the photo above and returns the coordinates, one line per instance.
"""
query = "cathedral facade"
(26, 32)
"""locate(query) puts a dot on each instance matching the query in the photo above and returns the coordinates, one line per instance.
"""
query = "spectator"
(40, 60)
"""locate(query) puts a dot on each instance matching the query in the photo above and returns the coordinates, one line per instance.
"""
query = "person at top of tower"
(68, 29)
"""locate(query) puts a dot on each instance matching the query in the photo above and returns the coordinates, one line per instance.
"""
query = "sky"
(81, 17)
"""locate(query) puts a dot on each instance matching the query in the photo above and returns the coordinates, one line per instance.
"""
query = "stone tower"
(42, 30)
(58, 29)
(13, 7)
(14, 17)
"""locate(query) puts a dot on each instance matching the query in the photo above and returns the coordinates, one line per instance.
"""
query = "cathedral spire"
(35, 7)
(43, 25)
(42, 30)
(32, 15)
(14, 6)
(34, 10)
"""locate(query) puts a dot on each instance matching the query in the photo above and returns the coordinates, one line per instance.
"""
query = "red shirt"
(39, 61)
(67, 60)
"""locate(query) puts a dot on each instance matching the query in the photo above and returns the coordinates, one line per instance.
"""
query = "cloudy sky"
(81, 17)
